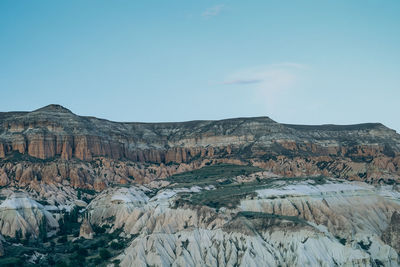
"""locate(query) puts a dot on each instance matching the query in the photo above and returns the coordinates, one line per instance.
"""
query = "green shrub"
(61, 264)
(209, 174)
(116, 245)
(104, 254)
(98, 230)
(97, 260)
(116, 262)
(10, 262)
(62, 239)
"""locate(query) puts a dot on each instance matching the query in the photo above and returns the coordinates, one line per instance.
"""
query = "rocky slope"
(240, 192)
(211, 217)
(19, 214)
(34, 146)
(298, 224)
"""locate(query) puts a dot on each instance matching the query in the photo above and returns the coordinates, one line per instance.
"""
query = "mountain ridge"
(56, 108)
(360, 151)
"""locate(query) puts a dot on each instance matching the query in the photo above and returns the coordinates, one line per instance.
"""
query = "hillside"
(369, 152)
(83, 191)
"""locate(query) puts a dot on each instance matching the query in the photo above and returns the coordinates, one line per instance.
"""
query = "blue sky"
(304, 62)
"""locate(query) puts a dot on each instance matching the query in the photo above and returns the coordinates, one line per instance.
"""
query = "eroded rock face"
(51, 154)
(97, 174)
(291, 224)
(219, 248)
(4, 180)
(391, 235)
(341, 207)
(20, 213)
(114, 205)
(368, 152)
(86, 230)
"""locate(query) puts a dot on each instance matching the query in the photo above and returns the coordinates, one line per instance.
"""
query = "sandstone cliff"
(368, 152)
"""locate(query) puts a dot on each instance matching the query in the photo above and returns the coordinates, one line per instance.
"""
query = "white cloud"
(270, 87)
(213, 11)
(243, 81)
(269, 78)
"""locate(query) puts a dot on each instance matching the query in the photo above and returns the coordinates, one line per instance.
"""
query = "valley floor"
(220, 215)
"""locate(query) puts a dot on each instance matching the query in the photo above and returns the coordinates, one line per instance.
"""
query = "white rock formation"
(115, 205)
(200, 247)
(334, 218)
(86, 230)
(21, 213)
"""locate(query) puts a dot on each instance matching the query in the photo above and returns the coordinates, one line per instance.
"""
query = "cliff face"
(366, 151)
(292, 224)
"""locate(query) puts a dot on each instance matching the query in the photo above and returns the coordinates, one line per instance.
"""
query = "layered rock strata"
(297, 224)
(369, 152)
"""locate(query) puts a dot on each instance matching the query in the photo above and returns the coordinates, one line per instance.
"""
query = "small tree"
(82, 251)
(61, 264)
(18, 235)
(73, 216)
(104, 254)
(43, 230)
(62, 239)
(116, 245)
(27, 238)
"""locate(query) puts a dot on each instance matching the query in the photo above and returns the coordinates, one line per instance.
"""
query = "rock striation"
(21, 214)
(299, 224)
(250, 191)
(368, 152)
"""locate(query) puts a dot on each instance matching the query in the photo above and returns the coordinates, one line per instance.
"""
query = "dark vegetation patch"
(209, 175)
(250, 223)
(263, 215)
(87, 191)
(16, 157)
(342, 241)
(388, 150)
(43, 202)
(65, 249)
(11, 262)
(319, 180)
(391, 181)
(69, 223)
(364, 245)
(227, 193)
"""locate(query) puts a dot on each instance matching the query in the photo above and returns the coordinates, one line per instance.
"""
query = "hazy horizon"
(307, 63)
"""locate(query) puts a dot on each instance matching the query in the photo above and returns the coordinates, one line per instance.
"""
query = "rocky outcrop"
(391, 235)
(217, 248)
(86, 230)
(21, 214)
(114, 205)
(341, 207)
(4, 180)
(312, 225)
(365, 152)
(99, 173)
